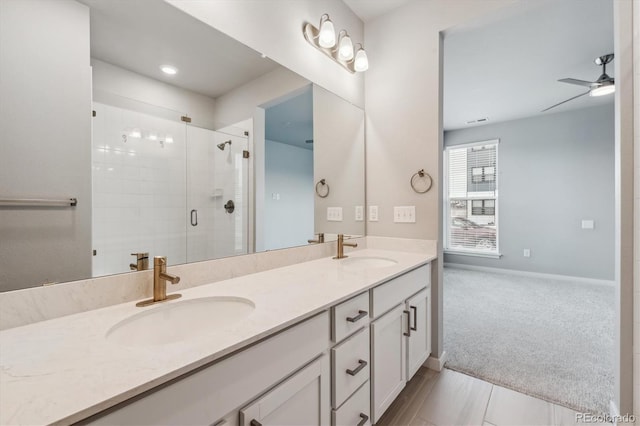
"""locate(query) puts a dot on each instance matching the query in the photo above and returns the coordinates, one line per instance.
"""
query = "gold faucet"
(341, 245)
(142, 262)
(160, 278)
(319, 240)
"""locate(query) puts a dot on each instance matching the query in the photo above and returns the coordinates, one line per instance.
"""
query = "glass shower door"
(217, 194)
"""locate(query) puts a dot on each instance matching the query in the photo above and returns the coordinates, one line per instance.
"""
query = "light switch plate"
(373, 213)
(526, 252)
(588, 224)
(404, 214)
(359, 214)
(334, 214)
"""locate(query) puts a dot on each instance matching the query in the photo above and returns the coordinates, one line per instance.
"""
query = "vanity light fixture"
(168, 139)
(168, 69)
(135, 133)
(324, 39)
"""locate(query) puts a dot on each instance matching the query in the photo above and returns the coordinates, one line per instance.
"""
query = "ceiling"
(291, 121)
(508, 69)
(367, 10)
(141, 35)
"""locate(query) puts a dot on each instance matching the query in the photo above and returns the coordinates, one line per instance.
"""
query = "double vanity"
(326, 341)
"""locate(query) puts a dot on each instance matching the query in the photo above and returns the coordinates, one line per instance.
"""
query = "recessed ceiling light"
(168, 69)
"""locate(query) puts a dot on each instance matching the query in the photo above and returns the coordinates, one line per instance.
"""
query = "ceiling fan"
(604, 85)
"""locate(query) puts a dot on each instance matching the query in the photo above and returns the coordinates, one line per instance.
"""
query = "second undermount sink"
(178, 321)
(367, 262)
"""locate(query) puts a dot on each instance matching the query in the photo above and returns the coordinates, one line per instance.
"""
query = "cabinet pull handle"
(415, 318)
(194, 217)
(364, 418)
(355, 371)
(254, 422)
(408, 332)
(361, 314)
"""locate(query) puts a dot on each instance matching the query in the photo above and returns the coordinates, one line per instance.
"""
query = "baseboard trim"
(528, 274)
(436, 364)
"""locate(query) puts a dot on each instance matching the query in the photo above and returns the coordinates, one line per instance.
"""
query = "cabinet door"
(419, 341)
(301, 400)
(388, 366)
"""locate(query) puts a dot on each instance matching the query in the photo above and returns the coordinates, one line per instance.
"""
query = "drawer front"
(349, 366)
(355, 411)
(349, 316)
(386, 296)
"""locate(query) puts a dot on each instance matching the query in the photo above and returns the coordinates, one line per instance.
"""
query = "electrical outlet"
(404, 214)
(526, 252)
(334, 214)
(359, 213)
(373, 213)
(588, 224)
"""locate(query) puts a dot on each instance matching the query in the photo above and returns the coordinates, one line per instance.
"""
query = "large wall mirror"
(199, 148)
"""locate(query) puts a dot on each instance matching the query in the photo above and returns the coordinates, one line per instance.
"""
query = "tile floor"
(452, 398)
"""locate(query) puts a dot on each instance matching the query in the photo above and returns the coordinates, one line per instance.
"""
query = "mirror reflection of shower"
(222, 145)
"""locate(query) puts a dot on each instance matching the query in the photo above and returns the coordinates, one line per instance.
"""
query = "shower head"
(221, 145)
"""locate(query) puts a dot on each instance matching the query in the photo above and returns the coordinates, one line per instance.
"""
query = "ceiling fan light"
(605, 89)
(327, 35)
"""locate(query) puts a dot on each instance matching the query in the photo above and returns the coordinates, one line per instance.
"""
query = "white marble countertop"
(63, 370)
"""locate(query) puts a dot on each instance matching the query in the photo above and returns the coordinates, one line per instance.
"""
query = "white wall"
(554, 170)
(240, 103)
(288, 219)
(338, 135)
(274, 28)
(45, 134)
(123, 88)
(404, 126)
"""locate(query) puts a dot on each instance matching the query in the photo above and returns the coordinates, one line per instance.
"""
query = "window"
(471, 191)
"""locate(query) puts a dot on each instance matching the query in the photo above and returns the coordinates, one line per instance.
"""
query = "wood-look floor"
(451, 398)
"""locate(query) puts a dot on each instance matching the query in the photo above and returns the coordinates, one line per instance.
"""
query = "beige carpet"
(547, 338)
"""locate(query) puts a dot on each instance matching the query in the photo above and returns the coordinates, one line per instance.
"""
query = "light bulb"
(345, 50)
(168, 69)
(361, 62)
(327, 36)
(603, 90)
(135, 133)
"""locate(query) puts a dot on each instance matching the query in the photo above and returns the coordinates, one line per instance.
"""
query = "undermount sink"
(367, 262)
(174, 322)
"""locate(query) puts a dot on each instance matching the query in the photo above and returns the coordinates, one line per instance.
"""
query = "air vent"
(479, 120)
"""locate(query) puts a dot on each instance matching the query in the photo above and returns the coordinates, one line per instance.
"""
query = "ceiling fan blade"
(563, 102)
(579, 82)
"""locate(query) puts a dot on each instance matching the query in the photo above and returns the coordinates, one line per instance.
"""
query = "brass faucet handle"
(142, 262)
(320, 239)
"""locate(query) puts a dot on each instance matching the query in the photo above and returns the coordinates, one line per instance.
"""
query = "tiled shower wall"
(139, 181)
(149, 173)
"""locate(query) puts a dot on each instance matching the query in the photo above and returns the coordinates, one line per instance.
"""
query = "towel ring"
(425, 178)
(322, 193)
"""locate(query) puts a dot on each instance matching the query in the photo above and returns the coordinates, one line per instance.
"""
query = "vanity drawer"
(396, 291)
(349, 316)
(355, 411)
(349, 366)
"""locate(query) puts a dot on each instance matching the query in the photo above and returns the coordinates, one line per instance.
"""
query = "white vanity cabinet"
(400, 335)
(419, 336)
(344, 366)
(287, 369)
(302, 399)
(350, 362)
